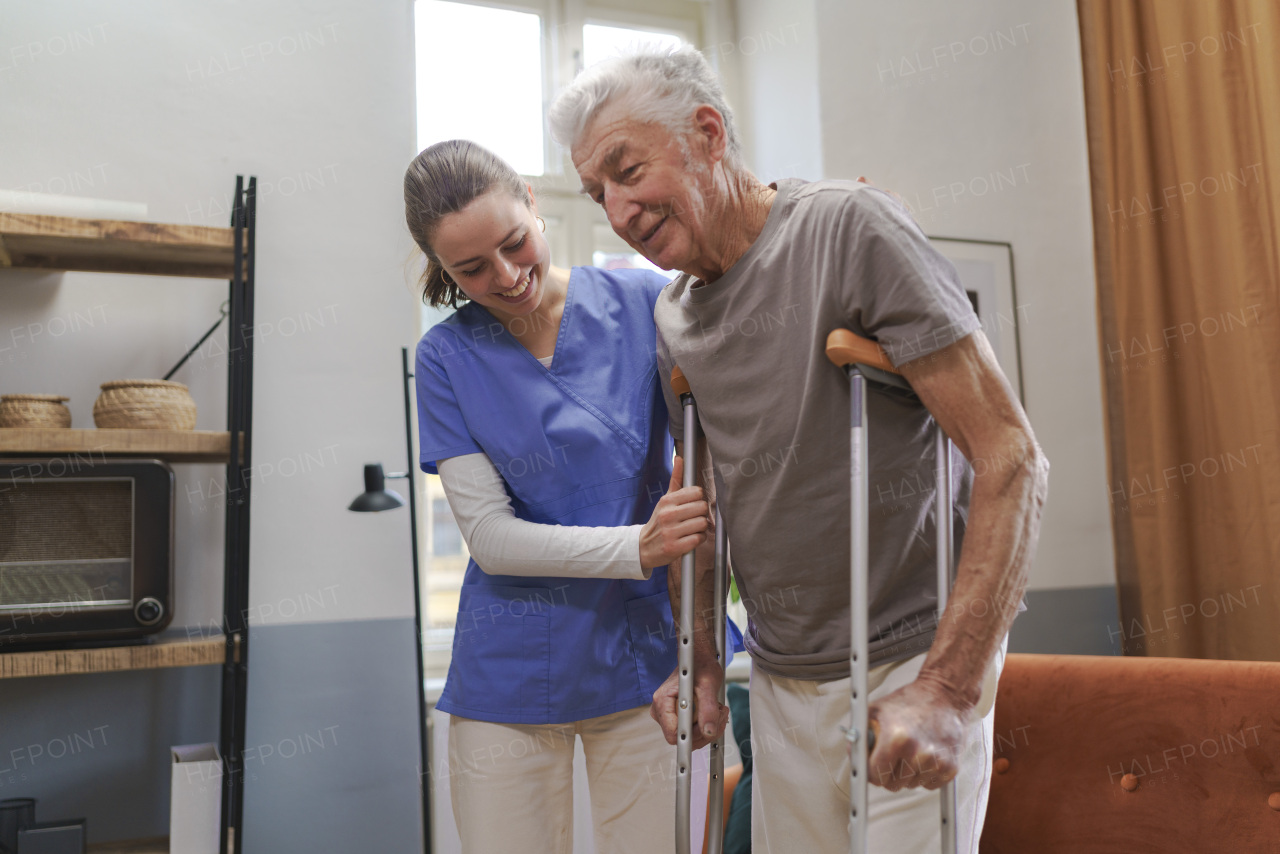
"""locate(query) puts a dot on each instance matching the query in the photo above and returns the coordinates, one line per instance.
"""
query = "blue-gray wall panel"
(1075, 621)
(331, 757)
(97, 746)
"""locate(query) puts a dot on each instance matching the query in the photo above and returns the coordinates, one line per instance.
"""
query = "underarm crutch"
(861, 360)
(684, 697)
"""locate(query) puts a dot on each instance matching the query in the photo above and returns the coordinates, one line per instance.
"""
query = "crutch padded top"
(679, 384)
(845, 348)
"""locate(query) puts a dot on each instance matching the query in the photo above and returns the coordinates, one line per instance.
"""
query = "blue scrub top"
(583, 442)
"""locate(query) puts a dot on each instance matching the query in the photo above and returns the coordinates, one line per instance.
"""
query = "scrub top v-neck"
(582, 441)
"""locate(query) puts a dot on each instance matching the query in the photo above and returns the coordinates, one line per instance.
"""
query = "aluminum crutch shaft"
(860, 359)
(715, 808)
(945, 552)
(844, 351)
(684, 696)
(688, 569)
(858, 513)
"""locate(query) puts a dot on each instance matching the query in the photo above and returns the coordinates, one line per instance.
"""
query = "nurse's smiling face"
(496, 253)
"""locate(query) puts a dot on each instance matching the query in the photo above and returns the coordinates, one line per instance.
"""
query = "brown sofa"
(1134, 755)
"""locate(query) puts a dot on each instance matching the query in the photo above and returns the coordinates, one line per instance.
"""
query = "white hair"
(659, 85)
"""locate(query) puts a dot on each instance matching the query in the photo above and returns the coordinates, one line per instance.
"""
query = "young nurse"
(539, 406)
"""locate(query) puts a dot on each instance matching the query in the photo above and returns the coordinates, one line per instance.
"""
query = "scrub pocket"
(653, 640)
(502, 650)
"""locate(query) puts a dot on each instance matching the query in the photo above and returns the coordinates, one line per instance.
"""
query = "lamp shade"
(376, 497)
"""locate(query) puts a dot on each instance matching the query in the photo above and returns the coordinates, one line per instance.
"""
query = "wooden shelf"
(178, 446)
(155, 845)
(30, 241)
(172, 651)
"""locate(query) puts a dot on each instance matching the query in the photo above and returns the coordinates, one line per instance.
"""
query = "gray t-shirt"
(775, 413)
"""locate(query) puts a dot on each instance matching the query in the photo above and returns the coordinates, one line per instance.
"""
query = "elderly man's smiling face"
(654, 192)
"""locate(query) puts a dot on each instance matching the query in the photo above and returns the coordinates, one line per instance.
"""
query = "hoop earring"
(444, 277)
(542, 222)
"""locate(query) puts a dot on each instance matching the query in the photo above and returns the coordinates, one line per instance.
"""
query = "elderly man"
(768, 271)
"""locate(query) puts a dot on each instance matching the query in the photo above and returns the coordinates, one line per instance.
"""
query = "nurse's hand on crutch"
(861, 360)
(685, 700)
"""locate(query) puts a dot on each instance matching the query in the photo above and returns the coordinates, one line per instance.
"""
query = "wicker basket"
(34, 410)
(145, 405)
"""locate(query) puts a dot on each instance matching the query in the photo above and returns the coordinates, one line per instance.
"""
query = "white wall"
(777, 63)
(164, 103)
(923, 97)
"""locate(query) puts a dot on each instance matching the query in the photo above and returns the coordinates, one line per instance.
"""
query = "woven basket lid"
(44, 397)
(142, 384)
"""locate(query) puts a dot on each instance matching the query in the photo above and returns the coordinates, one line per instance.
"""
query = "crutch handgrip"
(845, 348)
(679, 384)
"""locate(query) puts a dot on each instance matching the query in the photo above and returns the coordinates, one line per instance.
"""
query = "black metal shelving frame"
(235, 596)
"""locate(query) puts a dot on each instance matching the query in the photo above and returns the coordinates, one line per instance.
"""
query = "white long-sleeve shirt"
(502, 544)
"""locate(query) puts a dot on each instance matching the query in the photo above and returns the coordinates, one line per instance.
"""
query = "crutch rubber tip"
(844, 348)
(679, 384)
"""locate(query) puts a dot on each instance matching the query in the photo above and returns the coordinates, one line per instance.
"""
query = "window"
(487, 72)
(485, 88)
(446, 539)
(612, 253)
(600, 41)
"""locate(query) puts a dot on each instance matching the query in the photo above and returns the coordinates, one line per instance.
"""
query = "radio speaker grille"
(48, 520)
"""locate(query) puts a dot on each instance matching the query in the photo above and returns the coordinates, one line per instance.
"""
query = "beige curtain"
(1183, 108)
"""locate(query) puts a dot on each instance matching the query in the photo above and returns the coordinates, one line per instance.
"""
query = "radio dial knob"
(148, 611)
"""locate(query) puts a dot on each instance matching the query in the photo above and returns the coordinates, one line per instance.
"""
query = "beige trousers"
(800, 787)
(512, 785)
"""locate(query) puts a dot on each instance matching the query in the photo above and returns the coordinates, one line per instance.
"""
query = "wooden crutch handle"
(679, 384)
(844, 348)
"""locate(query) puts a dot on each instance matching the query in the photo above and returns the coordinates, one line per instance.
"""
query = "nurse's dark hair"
(444, 179)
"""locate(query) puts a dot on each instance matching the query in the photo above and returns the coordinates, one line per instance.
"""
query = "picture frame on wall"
(985, 268)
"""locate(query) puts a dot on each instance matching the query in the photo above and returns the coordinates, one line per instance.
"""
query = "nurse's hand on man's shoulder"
(709, 717)
(679, 524)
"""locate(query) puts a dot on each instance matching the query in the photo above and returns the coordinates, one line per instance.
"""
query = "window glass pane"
(446, 563)
(626, 261)
(446, 539)
(601, 42)
(611, 252)
(480, 78)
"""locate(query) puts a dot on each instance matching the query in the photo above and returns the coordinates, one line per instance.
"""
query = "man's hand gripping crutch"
(862, 359)
(690, 705)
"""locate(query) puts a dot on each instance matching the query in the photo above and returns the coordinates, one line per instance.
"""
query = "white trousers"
(512, 785)
(800, 787)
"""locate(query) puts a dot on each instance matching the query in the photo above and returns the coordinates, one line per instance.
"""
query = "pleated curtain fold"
(1183, 113)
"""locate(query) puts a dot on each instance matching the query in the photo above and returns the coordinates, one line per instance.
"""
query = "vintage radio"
(86, 550)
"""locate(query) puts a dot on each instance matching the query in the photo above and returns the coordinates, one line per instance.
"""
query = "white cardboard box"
(195, 801)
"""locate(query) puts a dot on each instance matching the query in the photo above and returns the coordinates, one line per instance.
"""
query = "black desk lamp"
(375, 498)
